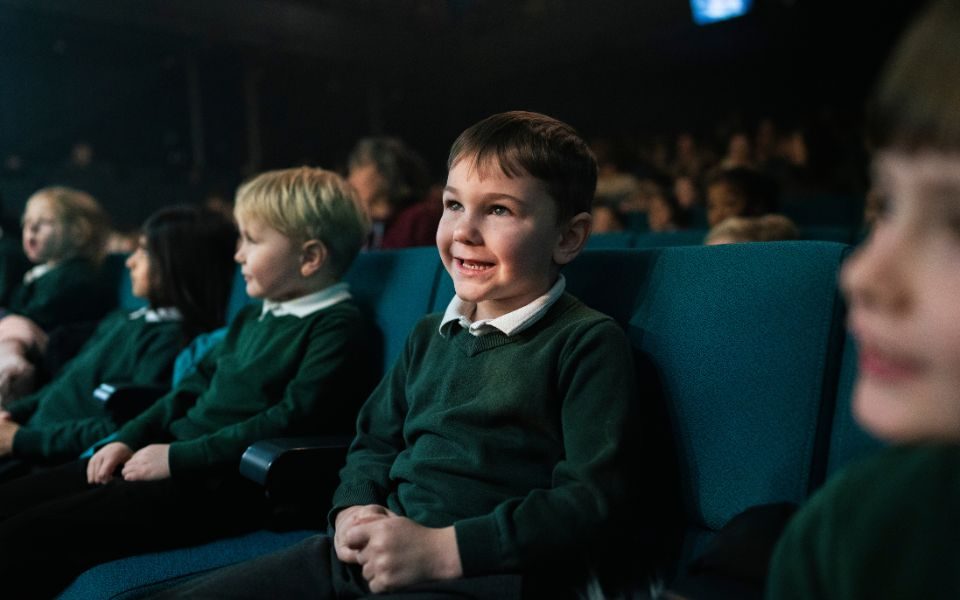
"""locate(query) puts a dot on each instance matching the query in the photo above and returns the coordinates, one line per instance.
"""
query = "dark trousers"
(56, 524)
(311, 570)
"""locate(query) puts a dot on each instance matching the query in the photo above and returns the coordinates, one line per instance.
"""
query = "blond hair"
(308, 204)
(767, 228)
(85, 223)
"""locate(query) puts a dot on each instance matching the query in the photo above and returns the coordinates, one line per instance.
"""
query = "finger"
(356, 537)
(347, 555)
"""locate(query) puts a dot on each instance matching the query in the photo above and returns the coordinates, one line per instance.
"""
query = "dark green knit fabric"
(64, 418)
(888, 527)
(272, 377)
(72, 292)
(517, 441)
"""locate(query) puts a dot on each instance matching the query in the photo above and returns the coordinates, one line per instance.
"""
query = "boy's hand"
(5, 415)
(148, 463)
(397, 552)
(355, 515)
(8, 429)
(106, 460)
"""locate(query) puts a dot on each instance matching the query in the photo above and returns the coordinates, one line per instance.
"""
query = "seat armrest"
(295, 467)
(124, 401)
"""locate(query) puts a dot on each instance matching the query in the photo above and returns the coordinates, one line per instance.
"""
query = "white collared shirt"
(157, 315)
(309, 304)
(509, 324)
(36, 273)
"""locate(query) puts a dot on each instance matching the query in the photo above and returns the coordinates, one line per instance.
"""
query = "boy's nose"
(466, 231)
(874, 277)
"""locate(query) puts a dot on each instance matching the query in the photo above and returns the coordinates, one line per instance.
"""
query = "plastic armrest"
(124, 401)
(293, 467)
(298, 476)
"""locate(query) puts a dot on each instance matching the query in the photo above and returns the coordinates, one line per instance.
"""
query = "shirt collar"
(36, 273)
(157, 315)
(512, 323)
(309, 304)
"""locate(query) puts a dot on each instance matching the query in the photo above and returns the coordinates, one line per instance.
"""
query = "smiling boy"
(490, 458)
(889, 527)
(297, 364)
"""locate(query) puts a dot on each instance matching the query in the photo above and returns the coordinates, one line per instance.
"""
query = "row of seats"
(695, 237)
(747, 345)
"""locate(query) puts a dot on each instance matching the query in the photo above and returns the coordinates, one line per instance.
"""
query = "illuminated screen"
(711, 11)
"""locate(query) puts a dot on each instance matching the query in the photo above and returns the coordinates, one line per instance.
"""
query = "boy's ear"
(572, 238)
(313, 256)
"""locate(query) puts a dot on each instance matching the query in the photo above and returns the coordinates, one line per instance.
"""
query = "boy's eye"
(452, 204)
(499, 211)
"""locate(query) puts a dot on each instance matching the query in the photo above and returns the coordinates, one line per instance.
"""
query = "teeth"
(473, 266)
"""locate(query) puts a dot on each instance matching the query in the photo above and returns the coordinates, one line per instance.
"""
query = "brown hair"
(916, 102)
(526, 143)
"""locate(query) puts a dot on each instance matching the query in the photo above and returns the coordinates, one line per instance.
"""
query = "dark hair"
(916, 101)
(191, 264)
(758, 191)
(527, 143)
(405, 172)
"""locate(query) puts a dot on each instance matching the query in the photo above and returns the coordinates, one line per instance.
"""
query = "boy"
(491, 454)
(888, 527)
(297, 364)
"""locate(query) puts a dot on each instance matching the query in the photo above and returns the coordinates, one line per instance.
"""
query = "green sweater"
(64, 418)
(888, 527)
(516, 441)
(272, 377)
(72, 292)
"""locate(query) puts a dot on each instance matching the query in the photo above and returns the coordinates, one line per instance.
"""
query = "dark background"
(203, 92)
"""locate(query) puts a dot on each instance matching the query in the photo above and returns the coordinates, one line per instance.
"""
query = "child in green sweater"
(889, 527)
(490, 458)
(64, 235)
(297, 364)
(183, 267)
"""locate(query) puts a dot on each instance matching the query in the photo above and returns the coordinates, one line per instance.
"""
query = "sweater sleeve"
(151, 358)
(22, 409)
(320, 391)
(366, 477)
(568, 522)
(61, 441)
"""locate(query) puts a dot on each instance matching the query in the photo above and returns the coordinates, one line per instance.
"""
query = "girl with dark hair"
(184, 268)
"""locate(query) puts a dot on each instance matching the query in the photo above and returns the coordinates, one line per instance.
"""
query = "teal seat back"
(746, 341)
(848, 440)
(396, 288)
(662, 239)
(616, 239)
(114, 271)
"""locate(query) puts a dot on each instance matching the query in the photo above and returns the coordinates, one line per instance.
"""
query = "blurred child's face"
(497, 238)
(139, 265)
(270, 262)
(605, 220)
(686, 192)
(722, 202)
(44, 234)
(903, 287)
(659, 215)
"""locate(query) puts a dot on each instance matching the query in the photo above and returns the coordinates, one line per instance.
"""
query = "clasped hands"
(148, 463)
(395, 551)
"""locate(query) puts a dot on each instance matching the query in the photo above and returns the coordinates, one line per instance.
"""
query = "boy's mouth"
(473, 265)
